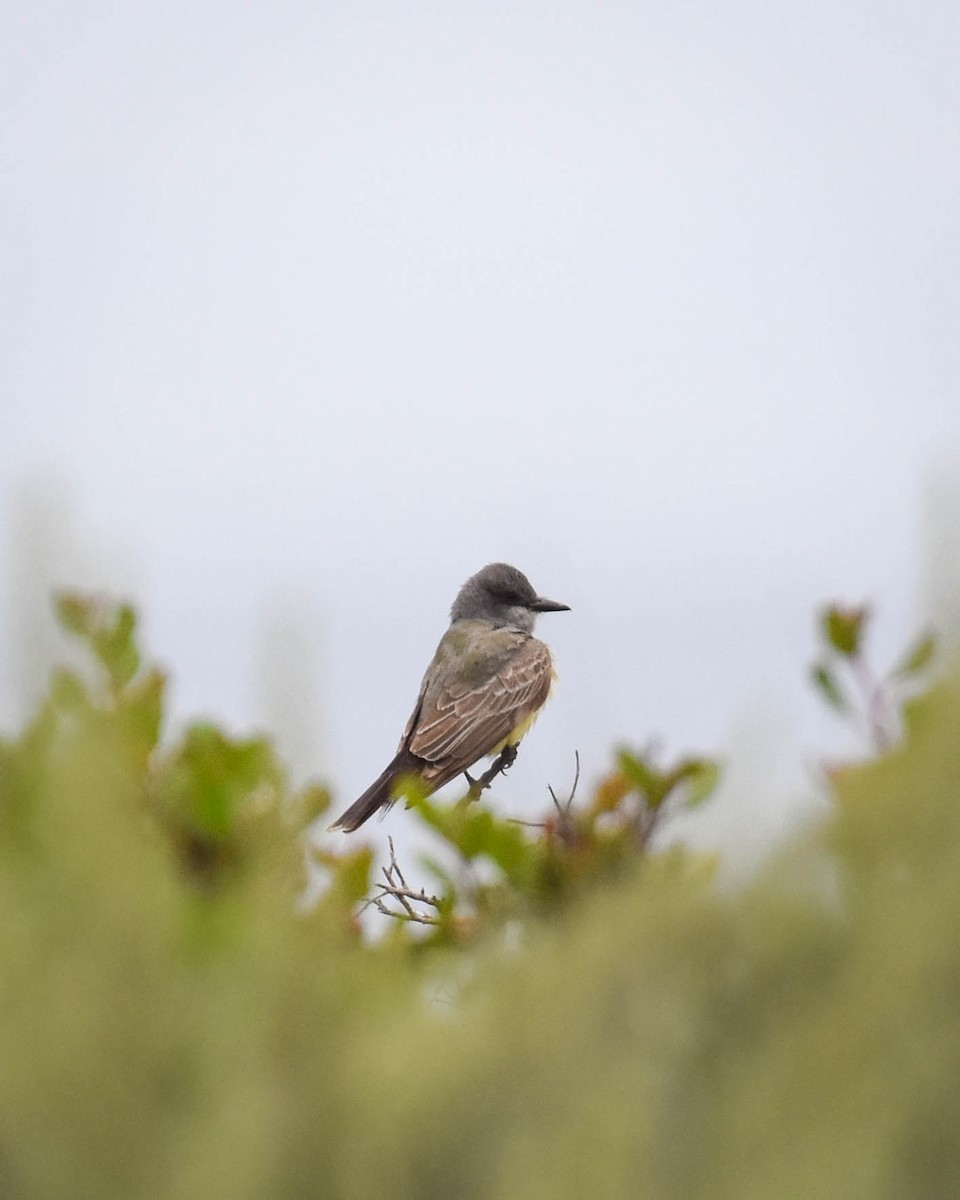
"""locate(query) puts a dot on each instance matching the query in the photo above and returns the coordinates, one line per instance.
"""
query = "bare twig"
(564, 809)
(399, 892)
(397, 888)
(411, 916)
(565, 825)
(394, 865)
(403, 893)
(879, 714)
(646, 821)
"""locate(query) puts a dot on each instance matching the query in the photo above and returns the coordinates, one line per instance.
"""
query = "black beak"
(543, 605)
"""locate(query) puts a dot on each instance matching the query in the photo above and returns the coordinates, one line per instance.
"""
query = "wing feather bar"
(459, 722)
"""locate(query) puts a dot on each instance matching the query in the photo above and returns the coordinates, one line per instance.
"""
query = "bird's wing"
(475, 697)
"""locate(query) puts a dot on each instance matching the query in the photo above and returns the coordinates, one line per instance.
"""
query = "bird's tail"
(378, 795)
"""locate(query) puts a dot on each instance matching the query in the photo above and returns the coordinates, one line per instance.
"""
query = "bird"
(480, 694)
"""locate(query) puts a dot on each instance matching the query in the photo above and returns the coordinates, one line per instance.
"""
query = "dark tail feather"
(378, 795)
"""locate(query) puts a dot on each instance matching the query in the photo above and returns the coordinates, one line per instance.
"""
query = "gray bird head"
(501, 594)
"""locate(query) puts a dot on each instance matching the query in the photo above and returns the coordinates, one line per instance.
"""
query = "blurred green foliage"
(845, 678)
(586, 1016)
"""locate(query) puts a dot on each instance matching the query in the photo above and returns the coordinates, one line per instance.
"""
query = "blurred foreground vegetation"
(594, 1017)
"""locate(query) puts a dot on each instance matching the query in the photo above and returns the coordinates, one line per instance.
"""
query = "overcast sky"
(310, 310)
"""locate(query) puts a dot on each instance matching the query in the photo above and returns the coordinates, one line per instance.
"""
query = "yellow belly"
(514, 736)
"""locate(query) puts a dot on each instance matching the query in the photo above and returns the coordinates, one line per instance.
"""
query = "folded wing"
(463, 716)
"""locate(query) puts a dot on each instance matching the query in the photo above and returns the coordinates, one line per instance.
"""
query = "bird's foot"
(508, 756)
(504, 760)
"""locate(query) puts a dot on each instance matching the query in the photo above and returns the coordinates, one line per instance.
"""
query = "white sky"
(309, 310)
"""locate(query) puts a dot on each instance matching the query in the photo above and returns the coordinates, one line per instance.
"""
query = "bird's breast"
(473, 651)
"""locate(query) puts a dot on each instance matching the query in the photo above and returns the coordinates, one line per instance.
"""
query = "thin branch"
(394, 865)
(565, 825)
(398, 889)
(878, 712)
(403, 893)
(399, 893)
(564, 809)
(646, 821)
(411, 916)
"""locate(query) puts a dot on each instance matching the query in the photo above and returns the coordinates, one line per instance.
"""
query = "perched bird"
(488, 679)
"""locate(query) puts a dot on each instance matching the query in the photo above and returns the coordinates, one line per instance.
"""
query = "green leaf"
(352, 882)
(843, 628)
(68, 690)
(311, 802)
(74, 612)
(502, 842)
(828, 685)
(109, 630)
(645, 779)
(475, 832)
(141, 709)
(917, 658)
(215, 776)
(116, 648)
(701, 776)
